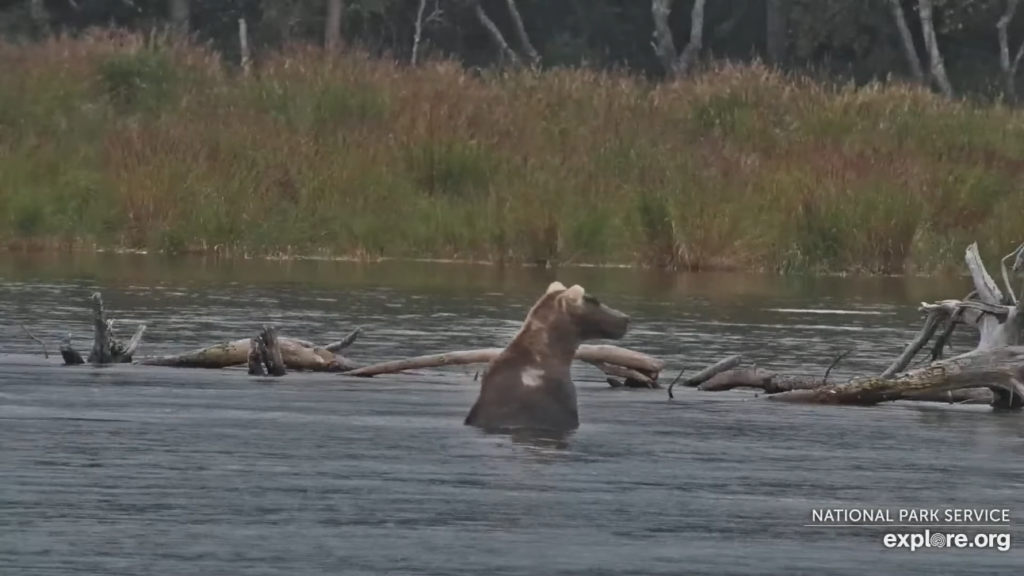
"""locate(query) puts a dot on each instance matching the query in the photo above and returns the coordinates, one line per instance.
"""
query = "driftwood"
(612, 360)
(265, 352)
(993, 372)
(722, 376)
(1000, 369)
(46, 353)
(106, 347)
(277, 354)
(296, 354)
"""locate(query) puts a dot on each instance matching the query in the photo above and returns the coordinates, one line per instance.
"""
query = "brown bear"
(529, 385)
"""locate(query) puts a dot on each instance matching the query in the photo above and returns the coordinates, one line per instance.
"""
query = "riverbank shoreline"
(35, 251)
(117, 141)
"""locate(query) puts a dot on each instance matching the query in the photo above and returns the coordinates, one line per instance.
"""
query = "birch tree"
(677, 65)
(1006, 63)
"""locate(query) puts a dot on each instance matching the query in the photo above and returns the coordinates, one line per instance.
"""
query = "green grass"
(115, 141)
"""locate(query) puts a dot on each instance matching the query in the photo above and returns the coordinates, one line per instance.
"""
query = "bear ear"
(574, 294)
(555, 287)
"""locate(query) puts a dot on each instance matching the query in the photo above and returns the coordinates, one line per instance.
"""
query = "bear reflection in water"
(528, 388)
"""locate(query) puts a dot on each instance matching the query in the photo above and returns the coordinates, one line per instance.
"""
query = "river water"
(146, 471)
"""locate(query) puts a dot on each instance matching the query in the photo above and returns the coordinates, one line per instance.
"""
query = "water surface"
(130, 470)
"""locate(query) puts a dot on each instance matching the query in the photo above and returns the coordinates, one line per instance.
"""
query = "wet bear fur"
(529, 385)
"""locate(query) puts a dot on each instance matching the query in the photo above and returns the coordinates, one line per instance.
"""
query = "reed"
(115, 140)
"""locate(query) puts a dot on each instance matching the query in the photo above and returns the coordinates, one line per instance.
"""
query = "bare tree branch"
(46, 353)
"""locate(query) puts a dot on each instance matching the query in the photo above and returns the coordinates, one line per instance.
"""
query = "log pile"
(992, 373)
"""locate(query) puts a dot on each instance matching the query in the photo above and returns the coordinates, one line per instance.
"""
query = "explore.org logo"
(932, 528)
(929, 539)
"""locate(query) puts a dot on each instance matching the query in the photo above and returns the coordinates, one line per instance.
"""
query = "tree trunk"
(524, 38)
(686, 60)
(681, 65)
(332, 25)
(495, 33)
(909, 50)
(938, 68)
(663, 44)
(1009, 66)
(776, 31)
(179, 15)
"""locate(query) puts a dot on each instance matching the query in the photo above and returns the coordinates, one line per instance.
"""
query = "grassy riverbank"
(107, 143)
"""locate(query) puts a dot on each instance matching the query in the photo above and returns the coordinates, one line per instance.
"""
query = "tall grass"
(113, 140)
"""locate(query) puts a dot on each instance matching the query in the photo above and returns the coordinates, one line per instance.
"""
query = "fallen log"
(613, 360)
(706, 373)
(992, 372)
(296, 355)
(1001, 370)
(769, 382)
(630, 378)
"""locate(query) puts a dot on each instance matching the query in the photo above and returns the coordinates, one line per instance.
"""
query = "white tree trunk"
(938, 68)
(524, 38)
(1009, 66)
(909, 50)
(179, 15)
(681, 65)
(332, 24)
